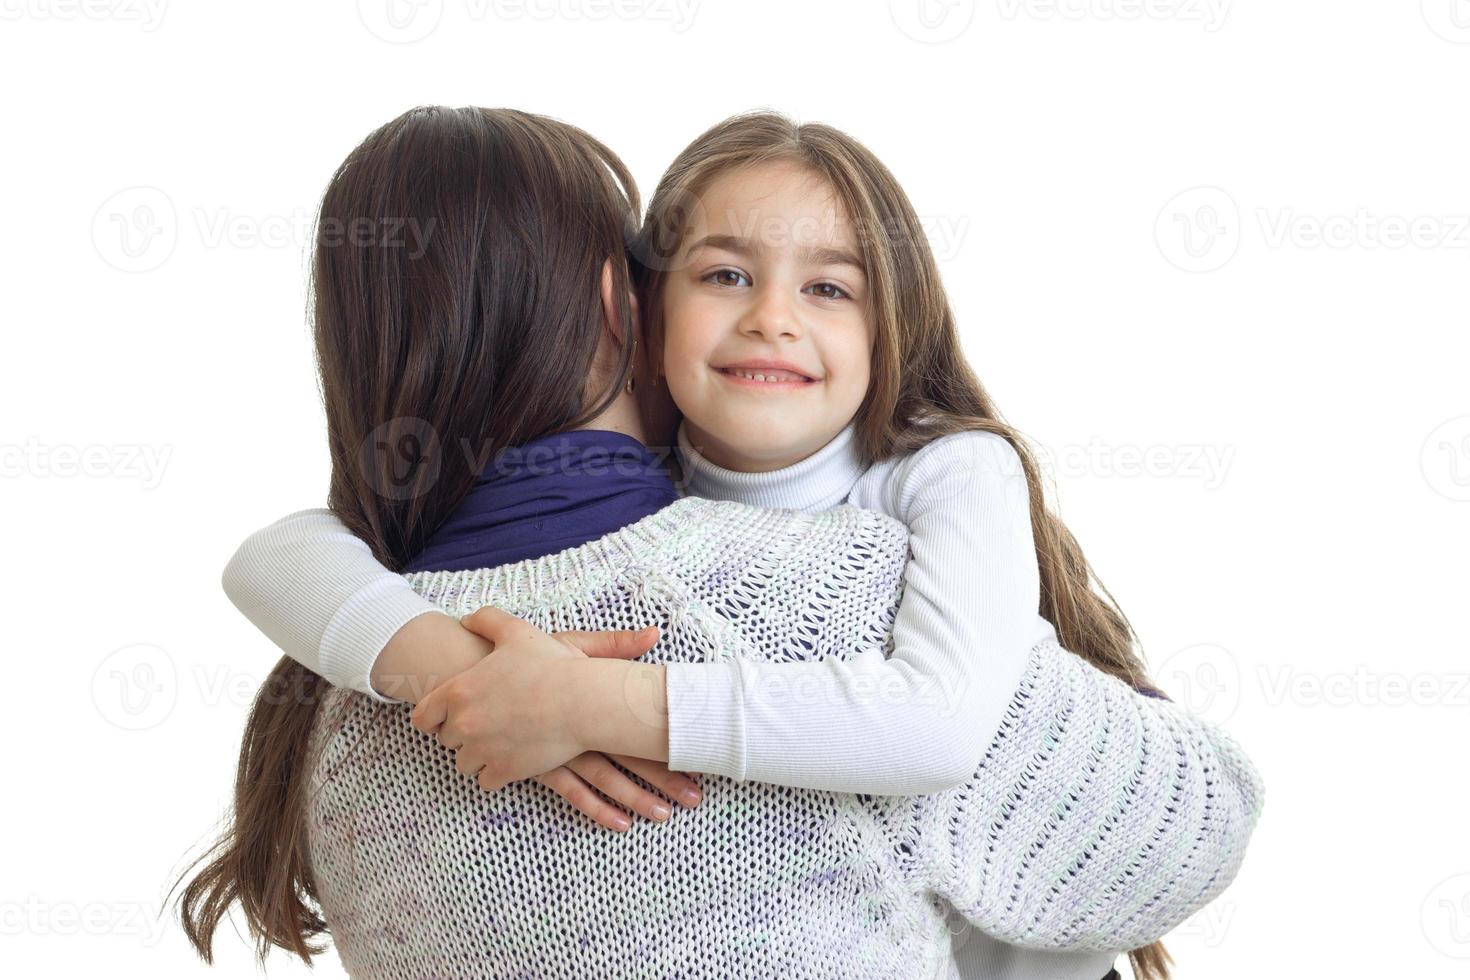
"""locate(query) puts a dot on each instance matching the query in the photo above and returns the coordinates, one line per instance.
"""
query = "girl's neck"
(822, 480)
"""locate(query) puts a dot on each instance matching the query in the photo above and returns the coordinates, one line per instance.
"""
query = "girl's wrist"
(424, 653)
(615, 706)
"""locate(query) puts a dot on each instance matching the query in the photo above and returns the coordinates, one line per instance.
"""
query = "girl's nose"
(771, 318)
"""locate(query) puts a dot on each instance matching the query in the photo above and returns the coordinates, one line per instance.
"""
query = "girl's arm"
(316, 591)
(920, 720)
(916, 722)
(1100, 818)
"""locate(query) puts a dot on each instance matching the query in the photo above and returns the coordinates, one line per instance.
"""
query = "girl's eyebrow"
(725, 243)
(811, 256)
(830, 256)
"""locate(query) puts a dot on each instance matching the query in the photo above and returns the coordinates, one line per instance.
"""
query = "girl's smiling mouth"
(766, 373)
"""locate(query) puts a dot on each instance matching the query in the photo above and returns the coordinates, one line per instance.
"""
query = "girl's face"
(768, 282)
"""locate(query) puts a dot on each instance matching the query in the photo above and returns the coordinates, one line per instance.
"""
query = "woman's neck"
(622, 416)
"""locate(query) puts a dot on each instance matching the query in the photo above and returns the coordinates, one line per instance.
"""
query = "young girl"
(797, 319)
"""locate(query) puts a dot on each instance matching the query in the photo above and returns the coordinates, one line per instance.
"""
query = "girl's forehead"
(773, 205)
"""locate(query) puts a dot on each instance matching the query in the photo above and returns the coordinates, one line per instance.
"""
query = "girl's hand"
(504, 717)
(578, 781)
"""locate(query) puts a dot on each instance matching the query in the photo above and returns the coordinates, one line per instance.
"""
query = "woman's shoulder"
(691, 540)
(837, 528)
(795, 551)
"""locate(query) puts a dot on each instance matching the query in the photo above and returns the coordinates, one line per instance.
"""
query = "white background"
(1212, 257)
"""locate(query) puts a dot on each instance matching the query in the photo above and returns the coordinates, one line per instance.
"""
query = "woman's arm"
(1100, 818)
(919, 720)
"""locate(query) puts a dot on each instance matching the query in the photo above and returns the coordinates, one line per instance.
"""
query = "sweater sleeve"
(920, 720)
(1100, 818)
(316, 591)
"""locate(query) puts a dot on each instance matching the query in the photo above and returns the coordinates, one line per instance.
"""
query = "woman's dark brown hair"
(457, 311)
(922, 387)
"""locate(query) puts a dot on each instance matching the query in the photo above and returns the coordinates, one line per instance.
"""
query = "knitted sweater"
(1097, 820)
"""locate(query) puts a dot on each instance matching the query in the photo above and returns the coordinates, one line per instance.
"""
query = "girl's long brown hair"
(922, 387)
(456, 311)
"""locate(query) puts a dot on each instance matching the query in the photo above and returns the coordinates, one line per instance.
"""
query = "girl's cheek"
(678, 320)
(688, 340)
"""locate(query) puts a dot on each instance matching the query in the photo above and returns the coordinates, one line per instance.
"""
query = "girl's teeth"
(749, 375)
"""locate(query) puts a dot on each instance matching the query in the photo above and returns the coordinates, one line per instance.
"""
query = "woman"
(472, 344)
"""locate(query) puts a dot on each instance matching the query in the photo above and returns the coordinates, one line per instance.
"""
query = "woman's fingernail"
(621, 823)
(690, 796)
(660, 811)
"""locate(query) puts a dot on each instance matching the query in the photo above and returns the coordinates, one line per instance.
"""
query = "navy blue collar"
(548, 495)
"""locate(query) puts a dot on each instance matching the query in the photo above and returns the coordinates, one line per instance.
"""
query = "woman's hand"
(578, 781)
(505, 717)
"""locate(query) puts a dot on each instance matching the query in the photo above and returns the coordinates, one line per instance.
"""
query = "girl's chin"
(756, 439)
(763, 451)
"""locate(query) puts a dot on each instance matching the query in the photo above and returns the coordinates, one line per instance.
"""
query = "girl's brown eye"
(828, 290)
(726, 277)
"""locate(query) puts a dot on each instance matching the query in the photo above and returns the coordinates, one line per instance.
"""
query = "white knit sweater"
(1097, 819)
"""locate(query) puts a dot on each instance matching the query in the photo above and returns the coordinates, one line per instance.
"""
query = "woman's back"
(420, 873)
(1098, 820)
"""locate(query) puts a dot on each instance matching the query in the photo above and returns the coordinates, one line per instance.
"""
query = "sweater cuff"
(706, 718)
(361, 629)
